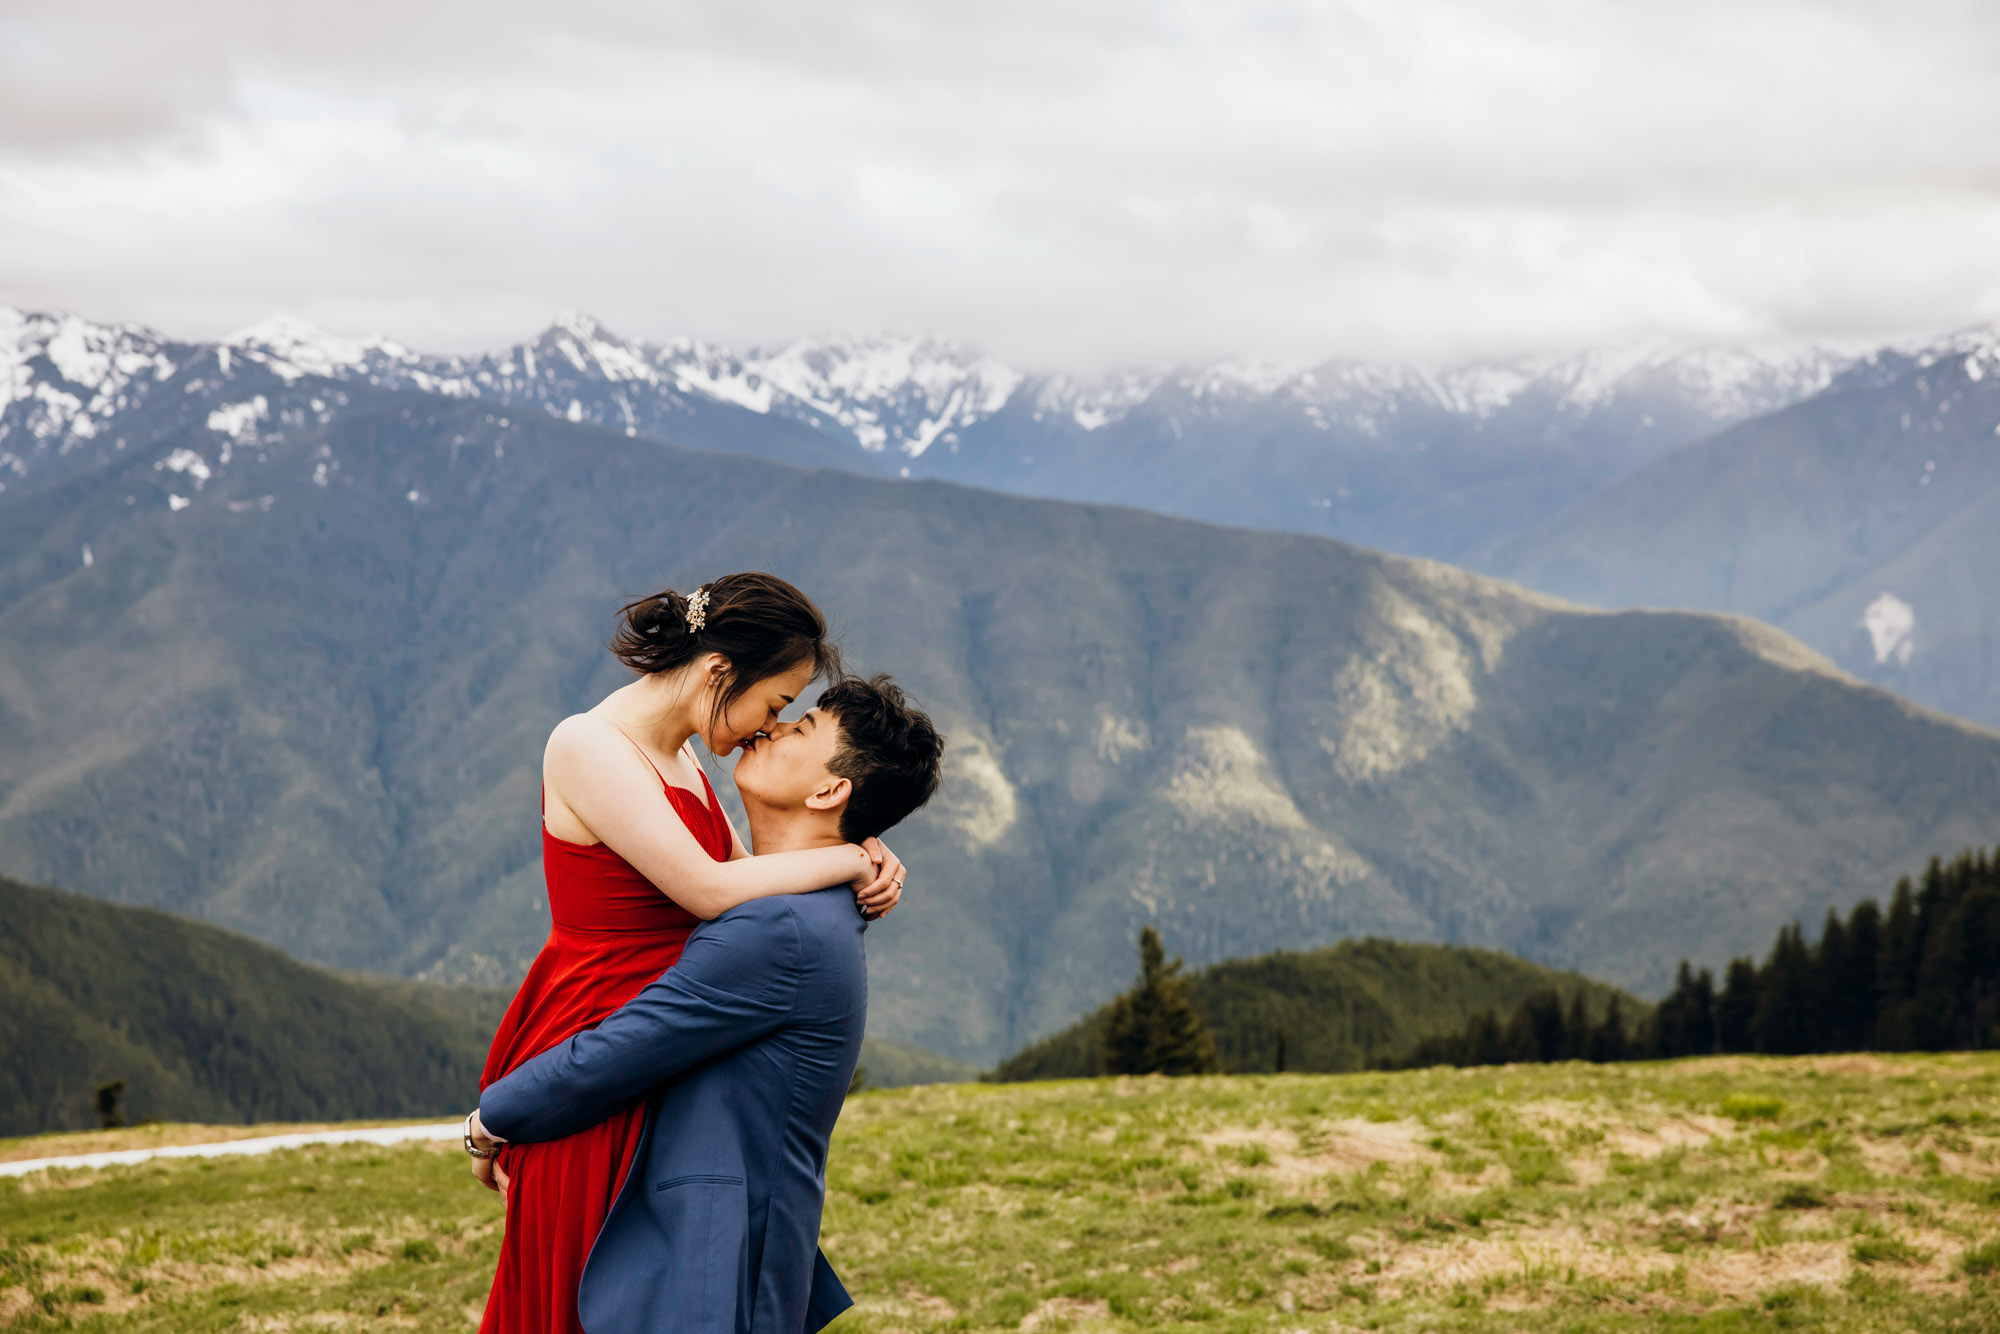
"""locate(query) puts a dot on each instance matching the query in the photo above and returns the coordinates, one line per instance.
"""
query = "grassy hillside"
(1850, 1195)
(1337, 1009)
(309, 704)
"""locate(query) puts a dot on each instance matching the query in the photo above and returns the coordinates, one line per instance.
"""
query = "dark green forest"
(203, 1025)
(1345, 1007)
(1922, 976)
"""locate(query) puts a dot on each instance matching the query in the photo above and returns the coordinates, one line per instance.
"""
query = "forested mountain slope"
(203, 1025)
(1332, 1009)
(286, 661)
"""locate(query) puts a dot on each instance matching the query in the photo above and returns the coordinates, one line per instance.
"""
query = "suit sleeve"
(737, 981)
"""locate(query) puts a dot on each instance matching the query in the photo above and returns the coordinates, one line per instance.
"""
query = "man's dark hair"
(890, 752)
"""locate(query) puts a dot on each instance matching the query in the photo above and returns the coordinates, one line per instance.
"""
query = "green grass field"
(1837, 1193)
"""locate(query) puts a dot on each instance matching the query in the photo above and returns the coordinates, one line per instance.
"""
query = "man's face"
(787, 768)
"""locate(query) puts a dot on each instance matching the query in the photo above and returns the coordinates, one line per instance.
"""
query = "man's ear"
(831, 795)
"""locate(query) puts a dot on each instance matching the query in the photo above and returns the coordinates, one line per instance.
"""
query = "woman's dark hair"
(761, 625)
(890, 752)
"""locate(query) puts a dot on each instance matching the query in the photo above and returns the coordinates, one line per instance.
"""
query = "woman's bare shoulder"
(584, 736)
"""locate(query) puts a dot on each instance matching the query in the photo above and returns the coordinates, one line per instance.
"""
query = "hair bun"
(659, 619)
(758, 623)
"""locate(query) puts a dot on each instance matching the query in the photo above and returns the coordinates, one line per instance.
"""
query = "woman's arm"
(607, 784)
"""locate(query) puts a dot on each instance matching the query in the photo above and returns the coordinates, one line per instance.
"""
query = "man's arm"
(735, 983)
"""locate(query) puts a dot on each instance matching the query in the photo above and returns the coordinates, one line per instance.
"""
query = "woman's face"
(755, 710)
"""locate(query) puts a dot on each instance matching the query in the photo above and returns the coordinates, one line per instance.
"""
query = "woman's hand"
(884, 890)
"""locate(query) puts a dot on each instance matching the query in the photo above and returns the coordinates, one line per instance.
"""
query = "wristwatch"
(473, 1148)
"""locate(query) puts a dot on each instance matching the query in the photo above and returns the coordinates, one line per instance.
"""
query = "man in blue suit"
(746, 1046)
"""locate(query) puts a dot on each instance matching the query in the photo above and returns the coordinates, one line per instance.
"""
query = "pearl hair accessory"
(697, 612)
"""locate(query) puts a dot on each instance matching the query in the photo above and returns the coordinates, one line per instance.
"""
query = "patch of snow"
(1242, 377)
(239, 421)
(1891, 624)
(1096, 402)
(188, 462)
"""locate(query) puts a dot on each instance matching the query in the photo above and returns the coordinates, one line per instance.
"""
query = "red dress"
(612, 932)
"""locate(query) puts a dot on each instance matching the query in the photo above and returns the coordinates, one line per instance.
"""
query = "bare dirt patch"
(1858, 1064)
(1074, 1310)
(1350, 1145)
(1738, 1274)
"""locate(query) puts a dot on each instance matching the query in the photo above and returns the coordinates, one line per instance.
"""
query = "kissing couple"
(658, 1101)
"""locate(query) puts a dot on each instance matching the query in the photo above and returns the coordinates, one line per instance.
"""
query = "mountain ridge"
(359, 627)
(1858, 520)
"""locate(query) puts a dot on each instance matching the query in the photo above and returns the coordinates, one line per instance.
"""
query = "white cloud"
(1070, 183)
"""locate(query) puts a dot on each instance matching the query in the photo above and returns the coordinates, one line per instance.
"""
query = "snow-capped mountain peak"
(591, 349)
(292, 347)
(62, 377)
(886, 391)
(1095, 402)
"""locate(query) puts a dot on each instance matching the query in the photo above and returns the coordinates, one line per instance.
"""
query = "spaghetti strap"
(647, 758)
(711, 806)
(708, 788)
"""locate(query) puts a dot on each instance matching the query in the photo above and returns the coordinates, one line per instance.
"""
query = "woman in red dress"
(637, 853)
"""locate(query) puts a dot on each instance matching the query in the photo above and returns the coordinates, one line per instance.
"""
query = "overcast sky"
(1063, 182)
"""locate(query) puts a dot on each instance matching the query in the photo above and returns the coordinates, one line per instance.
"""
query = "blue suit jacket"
(748, 1044)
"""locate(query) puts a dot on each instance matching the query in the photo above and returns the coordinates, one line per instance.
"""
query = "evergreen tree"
(1536, 1032)
(1896, 971)
(1667, 1035)
(1966, 994)
(1701, 1020)
(1684, 1023)
(110, 1100)
(1787, 1016)
(1576, 1028)
(1736, 1008)
(1608, 1041)
(1858, 997)
(1829, 1018)
(1154, 1028)
(1484, 1043)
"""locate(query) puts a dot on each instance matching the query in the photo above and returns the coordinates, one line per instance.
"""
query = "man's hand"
(882, 894)
(486, 1171)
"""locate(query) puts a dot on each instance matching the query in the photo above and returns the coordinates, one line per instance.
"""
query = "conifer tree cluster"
(1542, 1028)
(1923, 976)
(1154, 1028)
